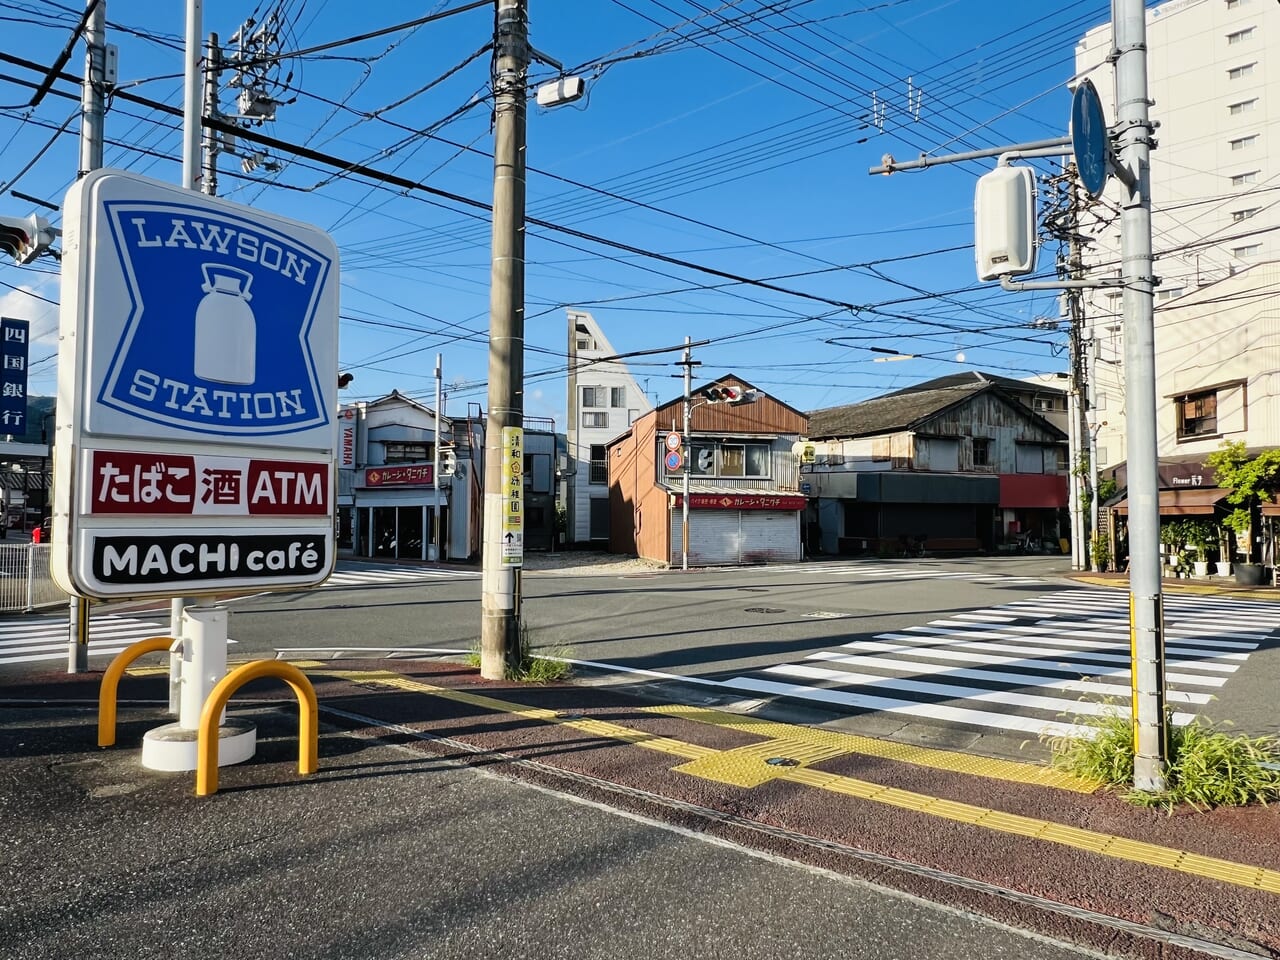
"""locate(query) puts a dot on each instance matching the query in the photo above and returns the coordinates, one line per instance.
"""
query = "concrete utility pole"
(1081, 532)
(436, 539)
(192, 91)
(1146, 623)
(688, 364)
(500, 623)
(92, 116)
(209, 139)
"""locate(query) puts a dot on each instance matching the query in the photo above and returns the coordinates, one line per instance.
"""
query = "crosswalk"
(380, 575)
(37, 639)
(1039, 665)
(900, 571)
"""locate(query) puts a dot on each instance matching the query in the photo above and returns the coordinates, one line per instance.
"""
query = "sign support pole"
(500, 615)
(92, 111)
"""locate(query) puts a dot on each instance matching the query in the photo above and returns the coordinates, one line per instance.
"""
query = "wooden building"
(745, 504)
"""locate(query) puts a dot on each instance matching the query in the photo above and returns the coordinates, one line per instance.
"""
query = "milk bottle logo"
(226, 330)
(218, 337)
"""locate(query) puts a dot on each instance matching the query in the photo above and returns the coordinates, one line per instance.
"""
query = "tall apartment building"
(1214, 79)
(604, 400)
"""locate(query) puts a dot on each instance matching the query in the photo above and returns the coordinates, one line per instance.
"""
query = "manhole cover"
(569, 714)
(782, 762)
(764, 610)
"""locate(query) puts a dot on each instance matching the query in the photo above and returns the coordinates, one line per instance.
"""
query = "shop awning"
(1190, 502)
(1271, 509)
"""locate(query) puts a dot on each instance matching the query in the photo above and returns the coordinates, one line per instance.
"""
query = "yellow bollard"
(308, 719)
(111, 683)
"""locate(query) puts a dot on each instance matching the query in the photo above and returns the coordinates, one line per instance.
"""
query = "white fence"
(25, 583)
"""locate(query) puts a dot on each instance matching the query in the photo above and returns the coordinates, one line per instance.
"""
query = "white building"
(1214, 82)
(604, 400)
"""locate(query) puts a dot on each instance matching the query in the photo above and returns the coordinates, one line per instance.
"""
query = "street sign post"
(674, 461)
(198, 388)
(1090, 141)
(674, 440)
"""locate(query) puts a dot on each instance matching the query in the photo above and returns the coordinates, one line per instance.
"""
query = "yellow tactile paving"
(1102, 844)
(599, 728)
(842, 743)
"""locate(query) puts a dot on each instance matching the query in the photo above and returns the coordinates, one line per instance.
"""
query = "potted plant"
(1252, 481)
(1099, 552)
(1199, 535)
(1223, 566)
(1170, 540)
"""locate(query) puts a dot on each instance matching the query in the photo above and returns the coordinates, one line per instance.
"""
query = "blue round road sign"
(1089, 139)
(674, 460)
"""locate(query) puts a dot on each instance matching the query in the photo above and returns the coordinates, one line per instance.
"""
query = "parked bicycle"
(912, 546)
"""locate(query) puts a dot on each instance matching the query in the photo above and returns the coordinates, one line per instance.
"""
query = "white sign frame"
(168, 297)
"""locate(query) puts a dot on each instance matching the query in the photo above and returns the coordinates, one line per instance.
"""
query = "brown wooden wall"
(765, 416)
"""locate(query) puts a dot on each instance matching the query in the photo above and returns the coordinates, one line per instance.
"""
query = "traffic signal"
(24, 238)
(723, 394)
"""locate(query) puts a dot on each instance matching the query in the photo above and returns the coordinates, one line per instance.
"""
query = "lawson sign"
(198, 377)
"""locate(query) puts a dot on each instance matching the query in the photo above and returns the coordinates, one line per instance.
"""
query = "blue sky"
(731, 136)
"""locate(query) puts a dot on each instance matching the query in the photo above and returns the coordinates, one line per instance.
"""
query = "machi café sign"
(197, 390)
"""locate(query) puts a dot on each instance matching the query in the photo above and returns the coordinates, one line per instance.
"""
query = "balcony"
(599, 472)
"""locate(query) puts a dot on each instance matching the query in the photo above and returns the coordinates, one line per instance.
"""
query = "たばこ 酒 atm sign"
(188, 321)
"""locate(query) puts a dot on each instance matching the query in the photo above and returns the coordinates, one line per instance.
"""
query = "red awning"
(1188, 502)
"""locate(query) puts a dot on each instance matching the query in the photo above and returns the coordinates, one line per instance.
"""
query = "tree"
(1252, 481)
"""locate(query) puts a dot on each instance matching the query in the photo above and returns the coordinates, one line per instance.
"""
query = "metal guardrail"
(25, 583)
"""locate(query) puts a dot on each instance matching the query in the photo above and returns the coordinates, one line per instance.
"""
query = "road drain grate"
(764, 610)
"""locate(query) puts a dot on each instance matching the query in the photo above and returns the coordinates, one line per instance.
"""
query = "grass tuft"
(1207, 768)
(530, 668)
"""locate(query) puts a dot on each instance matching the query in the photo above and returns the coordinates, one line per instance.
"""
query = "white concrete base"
(172, 748)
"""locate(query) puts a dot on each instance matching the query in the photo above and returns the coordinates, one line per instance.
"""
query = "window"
(1168, 294)
(398, 452)
(617, 396)
(593, 397)
(590, 419)
(599, 472)
(1248, 250)
(1100, 401)
(1238, 215)
(1198, 414)
(1102, 457)
(981, 452)
(1244, 106)
(1233, 4)
(1240, 72)
(1244, 143)
(709, 459)
(1239, 36)
(1240, 179)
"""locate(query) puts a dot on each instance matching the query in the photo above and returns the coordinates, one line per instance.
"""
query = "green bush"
(1207, 767)
(1099, 552)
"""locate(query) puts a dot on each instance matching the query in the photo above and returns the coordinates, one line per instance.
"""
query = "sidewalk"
(1204, 586)
(406, 852)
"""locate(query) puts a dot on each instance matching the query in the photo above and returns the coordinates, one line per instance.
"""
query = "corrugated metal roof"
(900, 411)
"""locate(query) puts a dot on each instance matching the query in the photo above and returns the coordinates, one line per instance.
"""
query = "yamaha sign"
(197, 380)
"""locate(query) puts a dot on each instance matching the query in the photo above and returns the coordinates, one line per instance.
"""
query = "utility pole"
(209, 142)
(688, 364)
(500, 616)
(1082, 457)
(436, 539)
(1146, 622)
(92, 117)
(192, 89)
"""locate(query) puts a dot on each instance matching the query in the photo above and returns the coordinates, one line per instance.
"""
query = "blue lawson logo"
(221, 308)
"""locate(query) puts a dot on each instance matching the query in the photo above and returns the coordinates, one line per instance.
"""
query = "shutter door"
(769, 535)
(713, 537)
